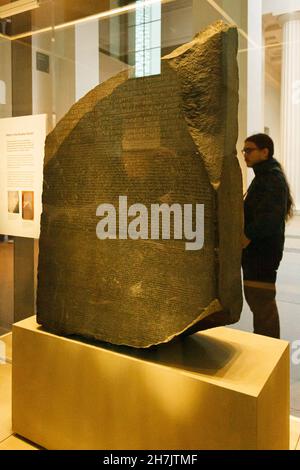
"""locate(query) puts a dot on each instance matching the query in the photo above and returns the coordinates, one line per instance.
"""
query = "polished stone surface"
(169, 138)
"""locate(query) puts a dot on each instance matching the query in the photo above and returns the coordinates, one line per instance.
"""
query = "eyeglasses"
(248, 151)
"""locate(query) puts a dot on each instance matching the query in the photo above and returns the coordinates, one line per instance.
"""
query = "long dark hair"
(263, 141)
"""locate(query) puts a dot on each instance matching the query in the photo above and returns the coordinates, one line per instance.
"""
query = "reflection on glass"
(147, 39)
(2, 92)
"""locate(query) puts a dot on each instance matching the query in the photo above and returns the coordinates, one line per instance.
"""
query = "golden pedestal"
(221, 389)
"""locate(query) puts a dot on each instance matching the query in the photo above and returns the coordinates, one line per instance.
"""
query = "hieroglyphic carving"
(169, 138)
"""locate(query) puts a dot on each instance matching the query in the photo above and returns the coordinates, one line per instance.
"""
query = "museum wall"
(54, 91)
(72, 72)
(272, 113)
(42, 82)
(5, 79)
(280, 6)
(177, 25)
(86, 57)
(109, 66)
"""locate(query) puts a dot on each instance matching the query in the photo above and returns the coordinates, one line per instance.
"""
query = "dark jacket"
(265, 209)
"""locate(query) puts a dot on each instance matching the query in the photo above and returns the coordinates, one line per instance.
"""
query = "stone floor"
(6, 286)
(288, 300)
(8, 441)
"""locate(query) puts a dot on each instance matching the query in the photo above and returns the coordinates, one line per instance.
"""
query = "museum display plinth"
(219, 389)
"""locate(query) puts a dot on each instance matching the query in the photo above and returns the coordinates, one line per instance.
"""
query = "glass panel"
(59, 61)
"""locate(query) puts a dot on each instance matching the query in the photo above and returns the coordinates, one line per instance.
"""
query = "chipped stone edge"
(214, 307)
(217, 28)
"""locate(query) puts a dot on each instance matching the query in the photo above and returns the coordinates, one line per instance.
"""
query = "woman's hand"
(245, 241)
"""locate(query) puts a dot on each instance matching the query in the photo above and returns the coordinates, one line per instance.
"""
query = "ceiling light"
(19, 6)
(98, 16)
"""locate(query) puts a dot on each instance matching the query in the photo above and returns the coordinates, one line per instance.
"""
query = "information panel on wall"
(22, 141)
